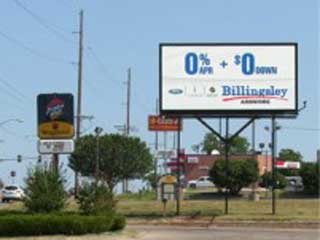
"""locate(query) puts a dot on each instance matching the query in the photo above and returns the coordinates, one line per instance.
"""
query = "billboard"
(228, 79)
(162, 123)
(55, 116)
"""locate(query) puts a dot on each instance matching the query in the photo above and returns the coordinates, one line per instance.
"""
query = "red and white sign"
(288, 165)
(162, 123)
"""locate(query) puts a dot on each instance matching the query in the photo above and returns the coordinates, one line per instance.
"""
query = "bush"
(310, 177)
(44, 190)
(266, 180)
(119, 222)
(241, 174)
(28, 225)
(95, 199)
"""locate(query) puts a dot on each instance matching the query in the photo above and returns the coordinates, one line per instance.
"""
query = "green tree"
(241, 174)
(152, 180)
(280, 180)
(310, 177)
(290, 155)
(239, 145)
(44, 190)
(120, 158)
(210, 143)
(287, 154)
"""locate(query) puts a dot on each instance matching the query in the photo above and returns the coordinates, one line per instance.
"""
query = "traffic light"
(19, 158)
(39, 159)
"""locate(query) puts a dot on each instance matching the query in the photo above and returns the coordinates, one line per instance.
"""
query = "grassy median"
(240, 210)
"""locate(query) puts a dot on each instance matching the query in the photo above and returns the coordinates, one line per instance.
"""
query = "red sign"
(287, 165)
(162, 123)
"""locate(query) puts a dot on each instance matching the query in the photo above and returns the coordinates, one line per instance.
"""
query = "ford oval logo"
(175, 91)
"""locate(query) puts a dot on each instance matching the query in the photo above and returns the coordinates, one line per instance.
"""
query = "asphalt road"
(222, 233)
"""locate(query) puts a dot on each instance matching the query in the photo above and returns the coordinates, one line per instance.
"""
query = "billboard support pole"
(273, 142)
(227, 140)
(179, 169)
(226, 149)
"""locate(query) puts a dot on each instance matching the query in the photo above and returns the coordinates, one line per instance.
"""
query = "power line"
(15, 90)
(301, 128)
(31, 50)
(43, 23)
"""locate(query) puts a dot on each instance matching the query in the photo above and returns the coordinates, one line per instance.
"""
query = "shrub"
(241, 174)
(310, 177)
(266, 180)
(119, 222)
(28, 225)
(95, 199)
(44, 190)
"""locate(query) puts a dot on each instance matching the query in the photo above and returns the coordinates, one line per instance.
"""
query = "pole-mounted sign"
(55, 116)
(162, 123)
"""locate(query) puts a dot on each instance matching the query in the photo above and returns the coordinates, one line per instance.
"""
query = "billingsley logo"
(176, 91)
(55, 108)
(246, 92)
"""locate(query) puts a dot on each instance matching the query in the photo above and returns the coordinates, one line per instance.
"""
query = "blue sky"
(37, 55)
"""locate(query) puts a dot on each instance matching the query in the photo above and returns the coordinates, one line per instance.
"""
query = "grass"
(239, 209)
(304, 210)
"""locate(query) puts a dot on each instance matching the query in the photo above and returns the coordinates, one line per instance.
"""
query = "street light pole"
(98, 131)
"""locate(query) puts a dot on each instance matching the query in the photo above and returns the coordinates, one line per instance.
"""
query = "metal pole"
(78, 129)
(97, 160)
(273, 140)
(220, 132)
(165, 149)
(128, 117)
(253, 138)
(155, 159)
(226, 144)
(179, 169)
(55, 162)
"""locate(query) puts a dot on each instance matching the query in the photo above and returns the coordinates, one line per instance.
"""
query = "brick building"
(197, 165)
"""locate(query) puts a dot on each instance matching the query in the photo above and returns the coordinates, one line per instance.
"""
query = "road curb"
(207, 223)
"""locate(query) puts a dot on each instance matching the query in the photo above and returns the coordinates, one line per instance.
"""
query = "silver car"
(12, 192)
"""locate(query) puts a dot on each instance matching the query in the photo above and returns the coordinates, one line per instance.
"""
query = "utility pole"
(156, 148)
(128, 102)
(127, 128)
(78, 129)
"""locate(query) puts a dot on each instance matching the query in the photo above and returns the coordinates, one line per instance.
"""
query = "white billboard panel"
(228, 78)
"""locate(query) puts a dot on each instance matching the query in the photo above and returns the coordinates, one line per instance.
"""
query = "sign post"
(234, 80)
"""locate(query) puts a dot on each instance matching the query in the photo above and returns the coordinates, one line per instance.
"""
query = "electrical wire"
(31, 50)
(301, 128)
(43, 23)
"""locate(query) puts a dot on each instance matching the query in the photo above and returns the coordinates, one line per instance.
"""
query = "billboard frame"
(233, 113)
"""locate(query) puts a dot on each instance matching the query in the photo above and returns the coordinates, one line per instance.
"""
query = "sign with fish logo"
(55, 116)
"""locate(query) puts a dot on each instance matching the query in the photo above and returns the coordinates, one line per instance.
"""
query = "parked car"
(12, 192)
(201, 182)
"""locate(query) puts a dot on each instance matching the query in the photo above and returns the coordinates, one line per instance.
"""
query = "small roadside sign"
(59, 146)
